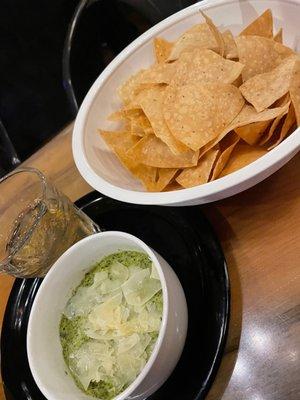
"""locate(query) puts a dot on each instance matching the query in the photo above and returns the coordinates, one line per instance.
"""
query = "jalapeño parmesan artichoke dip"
(111, 323)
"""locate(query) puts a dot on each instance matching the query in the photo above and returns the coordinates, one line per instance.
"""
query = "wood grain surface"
(260, 234)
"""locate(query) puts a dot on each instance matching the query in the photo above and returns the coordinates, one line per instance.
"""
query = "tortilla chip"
(199, 36)
(294, 89)
(117, 116)
(242, 155)
(163, 178)
(286, 101)
(226, 147)
(252, 133)
(172, 186)
(148, 176)
(275, 126)
(247, 116)
(120, 142)
(230, 45)
(135, 121)
(153, 152)
(190, 177)
(203, 65)
(143, 79)
(278, 37)
(140, 125)
(136, 129)
(158, 73)
(129, 112)
(259, 54)
(264, 89)
(262, 26)
(199, 112)
(238, 82)
(204, 29)
(217, 34)
(288, 123)
(127, 90)
(151, 102)
(162, 49)
(282, 101)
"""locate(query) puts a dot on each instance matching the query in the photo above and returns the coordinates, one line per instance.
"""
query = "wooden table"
(260, 234)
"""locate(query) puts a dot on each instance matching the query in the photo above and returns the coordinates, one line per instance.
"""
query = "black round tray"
(185, 239)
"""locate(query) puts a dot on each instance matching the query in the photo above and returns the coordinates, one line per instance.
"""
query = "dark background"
(34, 104)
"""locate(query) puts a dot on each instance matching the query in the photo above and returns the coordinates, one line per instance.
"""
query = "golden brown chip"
(278, 37)
(202, 28)
(230, 45)
(262, 26)
(151, 102)
(289, 121)
(203, 65)
(217, 34)
(125, 113)
(135, 120)
(284, 102)
(247, 116)
(198, 175)
(259, 54)
(140, 125)
(199, 36)
(153, 152)
(142, 120)
(227, 144)
(136, 129)
(163, 178)
(264, 89)
(294, 89)
(162, 49)
(273, 129)
(165, 175)
(120, 142)
(242, 155)
(252, 133)
(238, 82)
(143, 79)
(127, 90)
(148, 176)
(158, 73)
(197, 113)
(172, 186)
(117, 116)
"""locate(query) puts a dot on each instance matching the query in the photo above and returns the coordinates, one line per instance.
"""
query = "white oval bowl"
(43, 344)
(100, 167)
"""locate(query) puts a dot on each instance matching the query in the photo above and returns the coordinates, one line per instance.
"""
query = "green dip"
(73, 328)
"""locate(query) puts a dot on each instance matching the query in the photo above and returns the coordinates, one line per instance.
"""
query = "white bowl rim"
(161, 198)
(55, 268)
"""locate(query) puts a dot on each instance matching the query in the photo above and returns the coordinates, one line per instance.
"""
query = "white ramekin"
(43, 344)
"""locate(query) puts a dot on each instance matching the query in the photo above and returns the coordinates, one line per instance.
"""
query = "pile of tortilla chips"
(211, 104)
